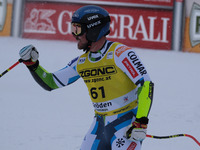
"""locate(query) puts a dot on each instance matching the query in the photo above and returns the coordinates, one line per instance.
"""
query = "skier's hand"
(137, 130)
(29, 55)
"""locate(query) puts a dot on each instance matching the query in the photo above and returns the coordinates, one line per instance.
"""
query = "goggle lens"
(76, 29)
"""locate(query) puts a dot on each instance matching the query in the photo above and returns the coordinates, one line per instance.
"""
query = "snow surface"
(34, 119)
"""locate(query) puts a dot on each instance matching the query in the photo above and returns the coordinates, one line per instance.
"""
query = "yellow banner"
(192, 27)
(5, 18)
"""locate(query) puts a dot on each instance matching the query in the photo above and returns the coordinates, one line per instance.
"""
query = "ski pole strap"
(173, 136)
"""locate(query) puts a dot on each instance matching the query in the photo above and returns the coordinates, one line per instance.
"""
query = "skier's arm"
(29, 55)
(145, 97)
(127, 60)
(42, 77)
(137, 130)
(49, 81)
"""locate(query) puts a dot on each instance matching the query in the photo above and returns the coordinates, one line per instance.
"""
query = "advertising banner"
(146, 2)
(138, 27)
(192, 26)
(5, 17)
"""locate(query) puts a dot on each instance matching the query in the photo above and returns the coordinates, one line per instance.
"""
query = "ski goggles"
(77, 29)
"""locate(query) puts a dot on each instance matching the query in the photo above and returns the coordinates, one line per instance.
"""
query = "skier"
(118, 83)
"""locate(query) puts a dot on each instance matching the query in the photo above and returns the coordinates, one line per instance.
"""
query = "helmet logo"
(91, 10)
(92, 17)
(94, 24)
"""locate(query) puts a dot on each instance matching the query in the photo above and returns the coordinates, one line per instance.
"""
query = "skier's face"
(82, 41)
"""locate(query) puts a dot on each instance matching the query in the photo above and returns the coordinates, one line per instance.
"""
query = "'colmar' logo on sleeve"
(137, 63)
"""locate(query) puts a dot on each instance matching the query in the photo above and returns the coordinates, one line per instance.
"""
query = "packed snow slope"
(34, 119)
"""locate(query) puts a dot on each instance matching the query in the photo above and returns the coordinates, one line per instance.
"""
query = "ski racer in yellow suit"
(118, 83)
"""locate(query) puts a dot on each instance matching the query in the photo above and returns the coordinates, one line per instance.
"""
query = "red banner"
(149, 2)
(146, 28)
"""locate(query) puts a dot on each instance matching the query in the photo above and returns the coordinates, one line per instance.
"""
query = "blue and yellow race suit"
(119, 87)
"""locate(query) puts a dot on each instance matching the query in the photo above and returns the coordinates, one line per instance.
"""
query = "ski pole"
(173, 136)
(11, 67)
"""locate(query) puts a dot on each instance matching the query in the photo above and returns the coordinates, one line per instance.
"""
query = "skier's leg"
(89, 138)
(95, 139)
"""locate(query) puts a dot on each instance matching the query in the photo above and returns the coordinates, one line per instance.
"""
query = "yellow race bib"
(109, 87)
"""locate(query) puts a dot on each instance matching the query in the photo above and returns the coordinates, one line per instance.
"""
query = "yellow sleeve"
(145, 98)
